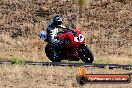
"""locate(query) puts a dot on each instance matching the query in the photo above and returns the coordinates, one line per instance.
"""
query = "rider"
(53, 29)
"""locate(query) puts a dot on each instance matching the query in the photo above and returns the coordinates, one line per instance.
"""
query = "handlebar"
(68, 29)
(72, 31)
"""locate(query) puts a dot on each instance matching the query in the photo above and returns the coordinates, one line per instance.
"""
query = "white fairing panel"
(75, 39)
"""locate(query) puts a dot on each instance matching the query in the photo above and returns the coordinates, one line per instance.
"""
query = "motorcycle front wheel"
(50, 53)
(86, 54)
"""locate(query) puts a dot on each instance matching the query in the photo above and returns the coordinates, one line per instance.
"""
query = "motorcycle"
(73, 48)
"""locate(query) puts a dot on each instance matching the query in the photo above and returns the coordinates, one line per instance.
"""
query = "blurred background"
(107, 25)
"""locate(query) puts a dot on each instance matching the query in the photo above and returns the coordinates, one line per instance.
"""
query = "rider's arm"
(61, 26)
(70, 30)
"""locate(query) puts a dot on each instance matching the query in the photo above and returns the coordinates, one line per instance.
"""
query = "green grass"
(18, 61)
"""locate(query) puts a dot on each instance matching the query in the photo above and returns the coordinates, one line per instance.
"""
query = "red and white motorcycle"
(74, 47)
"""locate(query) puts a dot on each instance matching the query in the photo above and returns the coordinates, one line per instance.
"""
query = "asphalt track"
(111, 66)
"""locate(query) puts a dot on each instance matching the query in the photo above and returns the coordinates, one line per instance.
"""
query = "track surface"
(111, 66)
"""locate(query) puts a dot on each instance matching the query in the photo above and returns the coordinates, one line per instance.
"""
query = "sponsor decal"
(83, 78)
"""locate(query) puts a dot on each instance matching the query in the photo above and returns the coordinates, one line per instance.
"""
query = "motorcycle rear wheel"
(49, 50)
(86, 54)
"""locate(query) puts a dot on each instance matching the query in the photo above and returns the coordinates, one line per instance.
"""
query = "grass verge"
(18, 61)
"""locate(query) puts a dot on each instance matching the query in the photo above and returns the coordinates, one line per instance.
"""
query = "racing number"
(80, 38)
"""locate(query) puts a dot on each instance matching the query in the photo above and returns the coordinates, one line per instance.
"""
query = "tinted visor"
(58, 22)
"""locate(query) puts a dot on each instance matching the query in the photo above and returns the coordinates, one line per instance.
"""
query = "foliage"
(18, 61)
(82, 3)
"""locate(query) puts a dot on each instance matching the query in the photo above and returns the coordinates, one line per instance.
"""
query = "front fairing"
(72, 39)
(76, 40)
